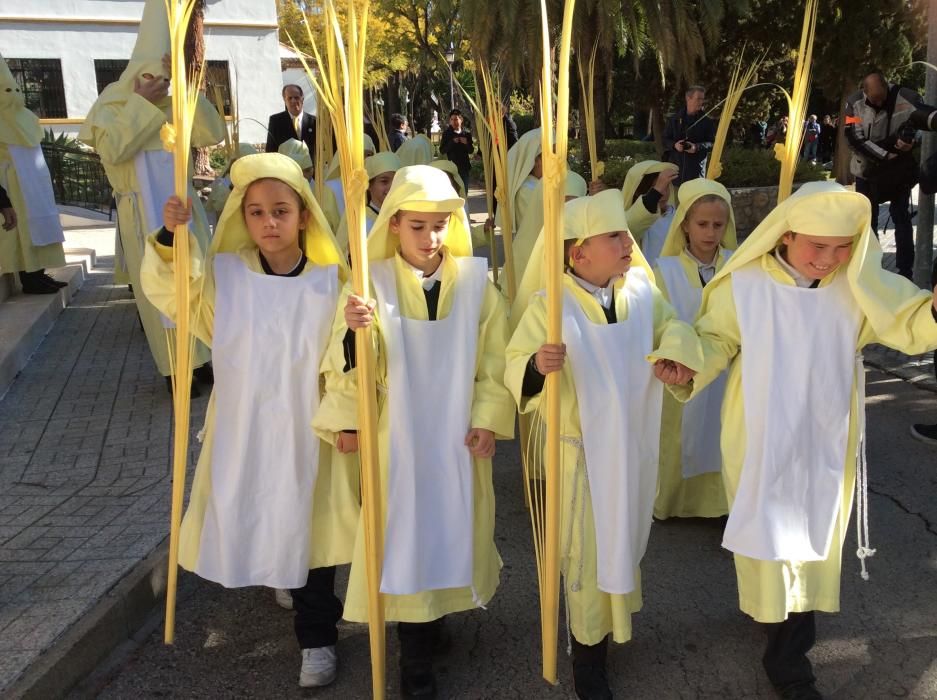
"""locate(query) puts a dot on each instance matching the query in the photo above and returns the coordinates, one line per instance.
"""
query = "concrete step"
(25, 319)
(86, 257)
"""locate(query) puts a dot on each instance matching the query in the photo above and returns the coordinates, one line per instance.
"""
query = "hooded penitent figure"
(266, 505)
(690, 479)
(522, 160)
(531, 224)
(794, 409)
(613, 334)
(648, 224)
(124, 128)
(35, 243)
(438, 500)
(333, 178)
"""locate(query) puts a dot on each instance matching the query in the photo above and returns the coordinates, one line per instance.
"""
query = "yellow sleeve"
(130, 128)
(156, 278)
(719, 337)
(674, 339)
(338, 410)
(913, 330)
(530, 334)
(208, 127)
(639, 220)
(492, 407)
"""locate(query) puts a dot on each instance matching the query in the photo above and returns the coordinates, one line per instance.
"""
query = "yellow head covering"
(231, 233)
(333, 171)
(416, 151)
(636, 173)
(521, 158)
(690, 191)
(452, 170)
(584, 218)
(424, 189)
(298, 151)
(147, 57)
(829, 209)
(383, 162)
(18, 125)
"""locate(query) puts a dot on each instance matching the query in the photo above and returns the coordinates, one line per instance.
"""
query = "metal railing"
(78, 178)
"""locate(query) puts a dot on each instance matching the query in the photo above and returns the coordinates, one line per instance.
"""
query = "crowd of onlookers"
(819, 136)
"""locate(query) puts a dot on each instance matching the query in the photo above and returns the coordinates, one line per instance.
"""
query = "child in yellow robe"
(299, 152)
(648, 195)
(381, 168)
(787, 315)
(267, 505)
(441, 329)
(623, 340)
(700, 240)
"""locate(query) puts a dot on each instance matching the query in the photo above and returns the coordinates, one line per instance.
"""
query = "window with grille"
(40, 79)
(216, 74)
(107, 71)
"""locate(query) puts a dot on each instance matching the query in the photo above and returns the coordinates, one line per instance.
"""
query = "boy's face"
(455, 121)
(704, 226)
(537, 170)
(815, 257)
(421, 236)
(273, 216)
(602, 257)
(379, 187)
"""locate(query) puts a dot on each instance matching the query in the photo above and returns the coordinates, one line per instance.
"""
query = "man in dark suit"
(292, 123)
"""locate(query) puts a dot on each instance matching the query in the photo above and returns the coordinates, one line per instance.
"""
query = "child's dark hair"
(397, 120)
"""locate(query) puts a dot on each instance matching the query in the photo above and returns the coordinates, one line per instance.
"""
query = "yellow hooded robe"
(593, 614)
(423, 188)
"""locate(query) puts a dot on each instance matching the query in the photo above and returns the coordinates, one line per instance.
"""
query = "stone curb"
(113, 620)
(27, 319)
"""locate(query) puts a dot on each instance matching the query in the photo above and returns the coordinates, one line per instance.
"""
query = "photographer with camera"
(882, 121)
(689, 136)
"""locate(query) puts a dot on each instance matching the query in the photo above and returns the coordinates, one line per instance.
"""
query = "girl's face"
(421, 237)
(379, 186)
(602, 257)
(704, 227)
(274, 216)
(815, 257)
(537, 170)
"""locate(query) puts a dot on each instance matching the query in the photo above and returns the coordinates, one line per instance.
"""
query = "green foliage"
(525, 122)
(741, 167)
(62, 140)
(218, 160)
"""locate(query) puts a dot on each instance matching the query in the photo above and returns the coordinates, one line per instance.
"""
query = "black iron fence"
(78, 178)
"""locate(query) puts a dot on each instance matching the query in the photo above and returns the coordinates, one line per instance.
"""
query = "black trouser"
(318, 610)
(899, 209)
(590, 654)
(785, 658)
(418, 642)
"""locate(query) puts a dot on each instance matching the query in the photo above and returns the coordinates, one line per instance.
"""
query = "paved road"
(690, 640)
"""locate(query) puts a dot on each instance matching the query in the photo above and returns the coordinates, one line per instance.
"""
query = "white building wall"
(242, 32)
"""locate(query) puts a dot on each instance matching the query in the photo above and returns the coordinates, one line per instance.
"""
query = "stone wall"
(751, 205)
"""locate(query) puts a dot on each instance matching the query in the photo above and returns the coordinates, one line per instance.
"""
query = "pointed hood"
(18, 125)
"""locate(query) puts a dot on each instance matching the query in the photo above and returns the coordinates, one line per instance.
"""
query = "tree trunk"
(842, 153)
(194, 57)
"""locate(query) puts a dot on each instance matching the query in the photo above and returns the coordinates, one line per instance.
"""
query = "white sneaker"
(318, 668)
(283, 598)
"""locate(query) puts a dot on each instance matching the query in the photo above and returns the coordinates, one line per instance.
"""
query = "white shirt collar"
(427, 281)
(603, 295)
(706, 270)
(799, 279)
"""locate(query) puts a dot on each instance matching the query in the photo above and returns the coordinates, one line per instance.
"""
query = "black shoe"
(801, 691)
(417, 681)
(33, 283)
(48, 279)
(925, 433)
(591, 682)
(205, 374)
